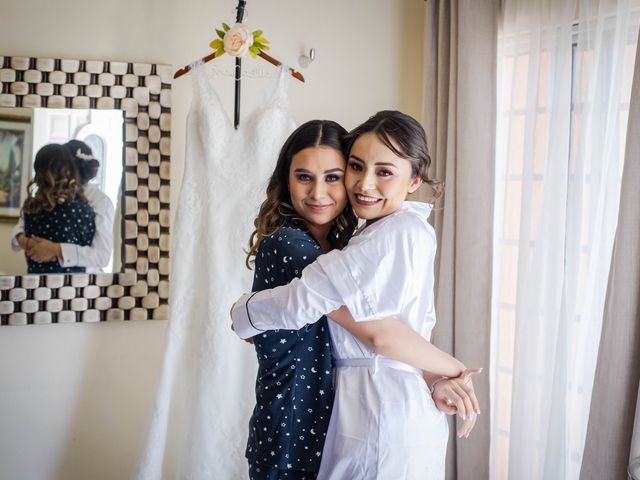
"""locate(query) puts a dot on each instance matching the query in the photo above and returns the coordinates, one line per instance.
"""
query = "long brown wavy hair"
(55, 182)
(277, 208)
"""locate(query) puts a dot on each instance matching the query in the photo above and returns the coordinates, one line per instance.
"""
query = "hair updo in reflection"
(86, 163)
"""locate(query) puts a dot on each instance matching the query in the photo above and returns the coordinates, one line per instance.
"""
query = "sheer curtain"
(564, 78)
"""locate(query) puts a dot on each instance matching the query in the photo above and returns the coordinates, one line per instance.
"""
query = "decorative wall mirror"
(23, 131)
(83, 100)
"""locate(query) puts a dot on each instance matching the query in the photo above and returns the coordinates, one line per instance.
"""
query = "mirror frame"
(143, 92)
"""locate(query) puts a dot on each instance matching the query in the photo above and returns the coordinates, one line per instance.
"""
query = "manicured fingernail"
(464, 417)
(466, 436)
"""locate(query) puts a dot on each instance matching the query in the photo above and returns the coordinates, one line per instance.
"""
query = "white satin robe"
(384, 424)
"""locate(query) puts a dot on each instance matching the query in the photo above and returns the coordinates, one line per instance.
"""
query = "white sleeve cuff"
(69, 255)
(15, 231)
(241, 318)
(15, 246)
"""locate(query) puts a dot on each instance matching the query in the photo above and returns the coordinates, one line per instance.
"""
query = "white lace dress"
(205, 392)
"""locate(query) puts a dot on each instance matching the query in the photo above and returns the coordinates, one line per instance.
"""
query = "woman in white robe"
(384, 423)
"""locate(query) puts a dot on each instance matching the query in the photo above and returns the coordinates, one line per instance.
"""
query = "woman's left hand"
(456, 395)
(42, 250)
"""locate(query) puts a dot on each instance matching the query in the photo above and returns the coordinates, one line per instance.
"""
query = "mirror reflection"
(60, 190)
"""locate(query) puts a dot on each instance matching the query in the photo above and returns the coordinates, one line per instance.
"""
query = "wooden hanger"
(184, 70)
(212, 56)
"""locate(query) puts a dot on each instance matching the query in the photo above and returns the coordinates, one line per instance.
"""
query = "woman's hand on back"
(43, 250)
(457, 396)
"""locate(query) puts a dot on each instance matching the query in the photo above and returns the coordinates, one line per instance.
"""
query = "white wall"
(74, 399)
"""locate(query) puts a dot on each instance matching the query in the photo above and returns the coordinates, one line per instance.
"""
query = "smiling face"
(377, 180)
(316, 185)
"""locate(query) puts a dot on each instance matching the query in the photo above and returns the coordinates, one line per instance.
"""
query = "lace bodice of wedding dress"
(205, 393)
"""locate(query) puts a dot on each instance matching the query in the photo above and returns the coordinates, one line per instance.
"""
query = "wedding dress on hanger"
(205, 392)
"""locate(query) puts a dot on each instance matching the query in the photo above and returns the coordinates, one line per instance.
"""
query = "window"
(563, 101)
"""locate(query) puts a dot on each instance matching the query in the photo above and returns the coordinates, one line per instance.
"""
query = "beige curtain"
(459, 117)
(635, 440)
(615, 391)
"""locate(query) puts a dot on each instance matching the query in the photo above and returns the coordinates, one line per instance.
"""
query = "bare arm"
(396, 340)
(456, 396)
(43, 250)
(38, 249)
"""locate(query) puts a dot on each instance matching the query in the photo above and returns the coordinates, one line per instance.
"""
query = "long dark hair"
(55, 182)
(405, 137)
(277, 208)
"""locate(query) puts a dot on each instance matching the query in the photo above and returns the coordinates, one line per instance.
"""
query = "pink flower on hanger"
(237, 40)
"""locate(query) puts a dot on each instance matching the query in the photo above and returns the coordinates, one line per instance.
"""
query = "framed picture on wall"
(15, 165)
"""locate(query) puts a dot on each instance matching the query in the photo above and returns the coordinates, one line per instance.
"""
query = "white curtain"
(564, 81)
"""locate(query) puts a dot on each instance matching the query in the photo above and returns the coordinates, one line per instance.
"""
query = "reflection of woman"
(56, 208)
(94, 256)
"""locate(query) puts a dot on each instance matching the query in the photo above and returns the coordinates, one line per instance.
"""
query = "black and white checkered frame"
(143, 92)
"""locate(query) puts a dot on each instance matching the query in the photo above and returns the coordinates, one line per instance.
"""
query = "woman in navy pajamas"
(305, 214)
(56, 208)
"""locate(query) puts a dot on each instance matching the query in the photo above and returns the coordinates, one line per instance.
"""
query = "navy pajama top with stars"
(72, 222)
(294, 392)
